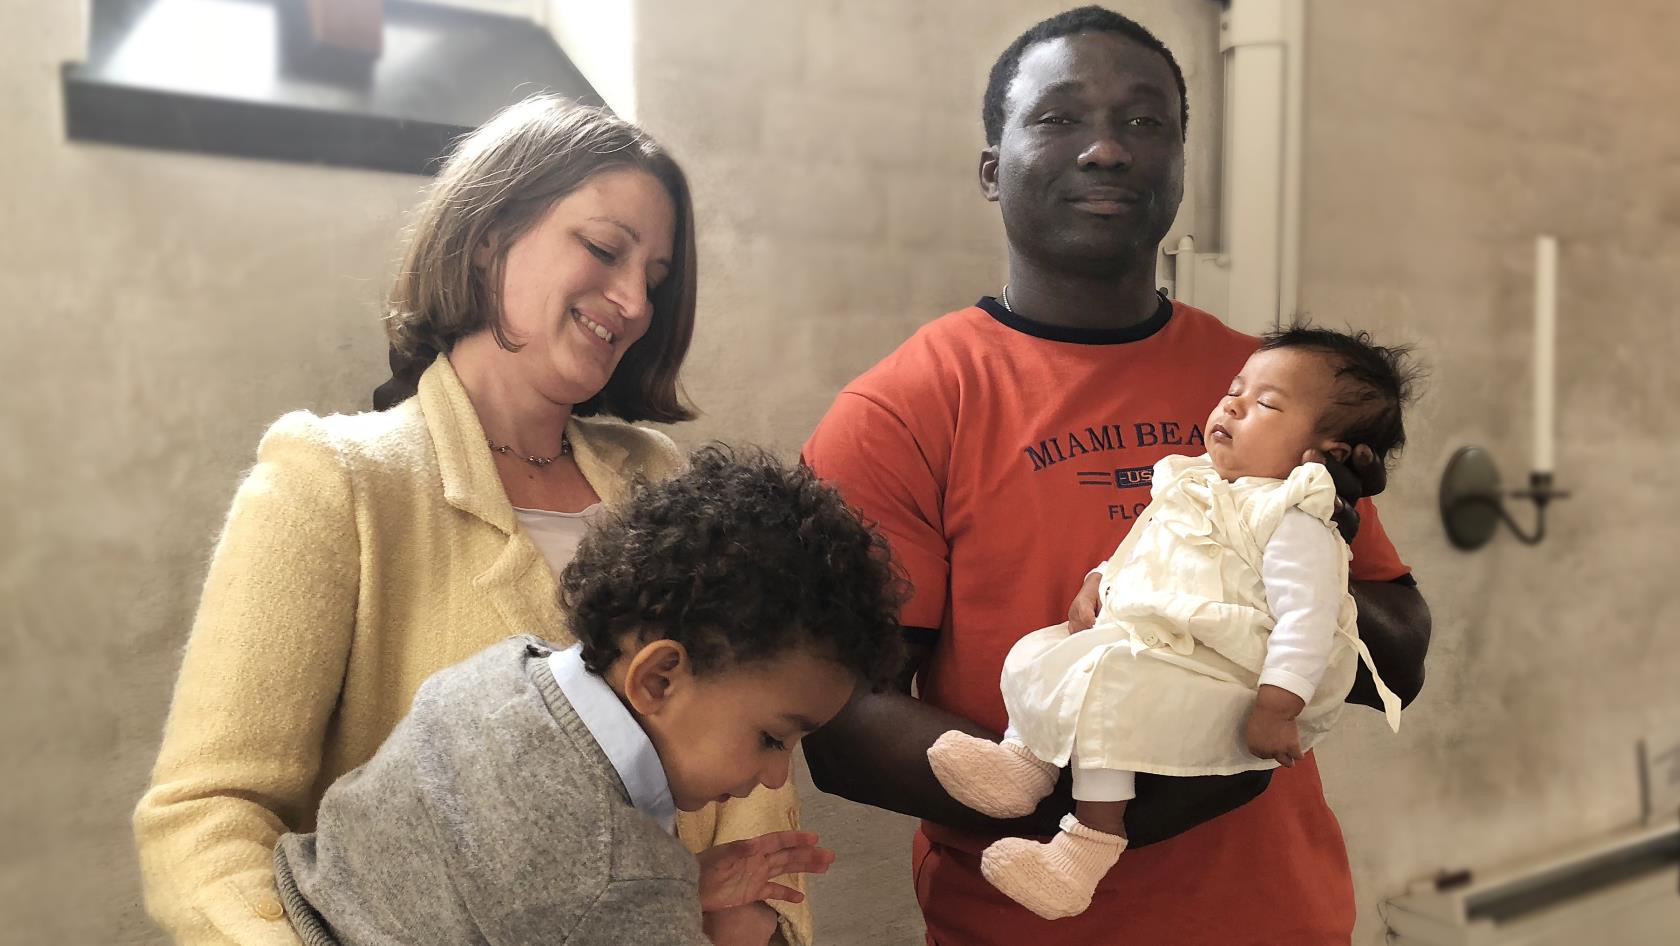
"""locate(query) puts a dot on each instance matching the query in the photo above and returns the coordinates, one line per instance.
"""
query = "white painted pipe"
(1261, 41)
(1294, 115)
(1184, 270)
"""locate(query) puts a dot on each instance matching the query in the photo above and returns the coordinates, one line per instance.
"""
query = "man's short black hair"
(1090, 19)
(1373, 385)
(741, 559)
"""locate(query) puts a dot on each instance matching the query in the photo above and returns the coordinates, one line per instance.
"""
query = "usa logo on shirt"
(1128, 478)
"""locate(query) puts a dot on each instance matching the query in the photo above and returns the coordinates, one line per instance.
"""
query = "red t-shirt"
(1003, 458)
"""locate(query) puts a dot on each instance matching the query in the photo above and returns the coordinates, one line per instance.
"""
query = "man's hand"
(1083, 612)
(750, 924)
(1359, 476)
(1271, 731)
(740, 872)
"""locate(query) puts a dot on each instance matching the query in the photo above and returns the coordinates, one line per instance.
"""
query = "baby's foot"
(1003, 780)
(1053, 880)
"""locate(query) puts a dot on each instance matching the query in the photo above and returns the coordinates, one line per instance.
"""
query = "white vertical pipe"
(1184, 270)
(1254, 42)
(1294, 113)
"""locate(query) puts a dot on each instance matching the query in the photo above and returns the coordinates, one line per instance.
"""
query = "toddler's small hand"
(740, 872)
(1083, 612)
(750, 924)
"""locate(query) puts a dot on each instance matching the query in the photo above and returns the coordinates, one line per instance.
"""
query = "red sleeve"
(866, 452)
(1374, 557)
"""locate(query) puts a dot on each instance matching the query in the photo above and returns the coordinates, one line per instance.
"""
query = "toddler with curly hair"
(530, 794)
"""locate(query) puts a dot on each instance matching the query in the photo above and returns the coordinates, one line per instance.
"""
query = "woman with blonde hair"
(546, 303)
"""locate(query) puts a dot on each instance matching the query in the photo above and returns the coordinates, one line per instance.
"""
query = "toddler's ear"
(653, 673)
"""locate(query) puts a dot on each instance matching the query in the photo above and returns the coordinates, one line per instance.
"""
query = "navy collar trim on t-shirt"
(1080, 336)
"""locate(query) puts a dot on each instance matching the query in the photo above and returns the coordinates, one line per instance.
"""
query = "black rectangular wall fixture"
(150, 82)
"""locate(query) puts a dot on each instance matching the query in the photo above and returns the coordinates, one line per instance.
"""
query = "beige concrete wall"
(1441, 137)
(162, 309)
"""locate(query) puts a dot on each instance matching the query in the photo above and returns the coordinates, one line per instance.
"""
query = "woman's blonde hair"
(498, 182)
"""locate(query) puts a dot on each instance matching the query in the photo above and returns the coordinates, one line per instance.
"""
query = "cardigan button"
(270, 909)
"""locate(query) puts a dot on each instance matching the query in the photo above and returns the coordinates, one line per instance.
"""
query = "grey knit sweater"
(490, 816)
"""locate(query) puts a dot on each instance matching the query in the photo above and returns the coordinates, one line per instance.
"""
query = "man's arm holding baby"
(1394, 619)
(1395, 624)
(875, 751)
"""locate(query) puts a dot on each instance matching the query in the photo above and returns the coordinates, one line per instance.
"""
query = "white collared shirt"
(620, 736)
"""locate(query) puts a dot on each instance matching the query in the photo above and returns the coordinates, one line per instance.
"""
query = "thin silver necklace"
(506, 450)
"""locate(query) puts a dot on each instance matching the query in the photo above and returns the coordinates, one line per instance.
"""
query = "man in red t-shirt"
(1007, 447)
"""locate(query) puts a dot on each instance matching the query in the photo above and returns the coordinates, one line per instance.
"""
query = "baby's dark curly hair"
(1374, 384)
(740, 558)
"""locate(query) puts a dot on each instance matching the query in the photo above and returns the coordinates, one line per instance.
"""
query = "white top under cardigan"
(557, 534)
(1193, 603)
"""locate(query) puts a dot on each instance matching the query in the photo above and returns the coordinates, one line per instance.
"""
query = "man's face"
(1089, 169)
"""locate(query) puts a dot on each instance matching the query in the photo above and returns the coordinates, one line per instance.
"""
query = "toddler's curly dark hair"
(740, 558)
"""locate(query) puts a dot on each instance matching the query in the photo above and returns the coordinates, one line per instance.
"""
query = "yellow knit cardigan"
(361, 554)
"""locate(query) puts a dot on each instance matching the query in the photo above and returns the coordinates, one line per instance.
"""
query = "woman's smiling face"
(576, 287)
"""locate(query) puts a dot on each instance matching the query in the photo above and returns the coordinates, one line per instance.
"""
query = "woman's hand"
(1271, 732)
(750, 924)
(740, 872)
(1083, 612)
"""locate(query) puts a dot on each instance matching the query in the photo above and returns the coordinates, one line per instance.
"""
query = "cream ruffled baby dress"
(1165, 679)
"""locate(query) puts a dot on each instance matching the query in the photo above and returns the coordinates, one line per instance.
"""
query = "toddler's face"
(723, 734)
(1270, 415)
